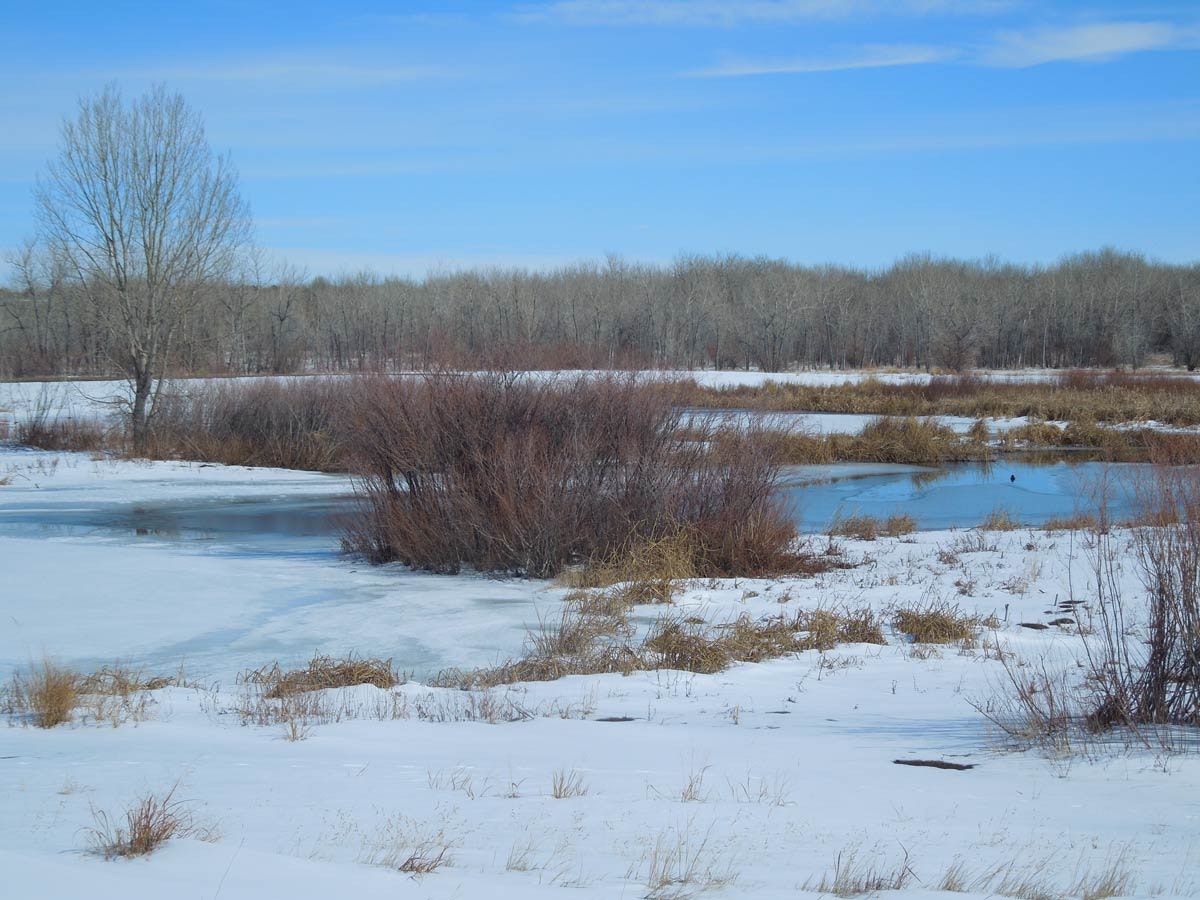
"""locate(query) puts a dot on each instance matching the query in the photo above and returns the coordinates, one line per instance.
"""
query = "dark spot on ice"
(615, 719)
(1036, 626)
(935, 764)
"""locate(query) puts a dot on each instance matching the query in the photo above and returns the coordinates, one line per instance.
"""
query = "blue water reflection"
(962, 494)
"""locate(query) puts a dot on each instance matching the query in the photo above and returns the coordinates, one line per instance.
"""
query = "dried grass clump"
(607, 609)
(680, 644)
(46, 691)
(122, 681)
(1106, 442)
(1035, 436)
(566, 784)
(588, 637)
(913, 441)
(937, 622)
(678, 865)
(899, 525)
(410, 847)
(826, 628)
(852, 877)
(118, 694)
(321, 673)
(1033, 880)
(868, 528)
(1076, 522)
(892, 440)
(144, 826)
(573, 633)
(999, 519)
(1116, 397)
(645, 571)
(597, 642)
(860, 528)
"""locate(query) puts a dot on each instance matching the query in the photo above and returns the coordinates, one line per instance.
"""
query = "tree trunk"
(140, 413)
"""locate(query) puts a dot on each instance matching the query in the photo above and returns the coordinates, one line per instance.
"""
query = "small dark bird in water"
(1012, 477)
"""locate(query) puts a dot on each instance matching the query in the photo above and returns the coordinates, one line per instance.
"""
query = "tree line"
(1104, 308)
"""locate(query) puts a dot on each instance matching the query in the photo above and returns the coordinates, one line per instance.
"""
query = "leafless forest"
(1096, 309)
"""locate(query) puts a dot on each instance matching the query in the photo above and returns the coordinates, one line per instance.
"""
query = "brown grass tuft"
(868, 528)
(47, 691)
(322, 672)
(999, 519)
(645, 571)
(410, 847)
(566, 784)
(937, 622)
(122, 681)
(891, 440)
(1076, 522)
(150, 822)
(596, 642)
(680, 644)
(678, 865)
(853, 877)
(825, 628)
(1074, 396)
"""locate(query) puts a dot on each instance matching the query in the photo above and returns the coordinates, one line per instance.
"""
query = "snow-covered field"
(98, 399)
(93, 595)
(752, 782)
(80, 398)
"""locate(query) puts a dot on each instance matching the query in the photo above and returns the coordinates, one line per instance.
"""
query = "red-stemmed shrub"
(527, 474)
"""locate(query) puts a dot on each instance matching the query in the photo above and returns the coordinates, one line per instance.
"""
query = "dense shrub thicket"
(529, 475)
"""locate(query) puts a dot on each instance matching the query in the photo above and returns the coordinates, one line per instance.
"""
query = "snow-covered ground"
(752, 782)
(842, 423)
(93, 399)
(217, 605)
(100, 399)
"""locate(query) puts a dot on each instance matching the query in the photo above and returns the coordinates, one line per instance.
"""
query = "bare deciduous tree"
(143, 217)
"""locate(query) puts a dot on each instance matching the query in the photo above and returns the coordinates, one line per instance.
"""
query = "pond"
(957, 495)
(226, 581)
(260, 525)
(961, 494)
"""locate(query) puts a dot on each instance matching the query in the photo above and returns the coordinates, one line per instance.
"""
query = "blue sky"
(405, 136)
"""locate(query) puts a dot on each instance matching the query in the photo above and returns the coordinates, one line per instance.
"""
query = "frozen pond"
(225, 568)
(222, 569)
(276, 525)
(299, 523)
(959, 495)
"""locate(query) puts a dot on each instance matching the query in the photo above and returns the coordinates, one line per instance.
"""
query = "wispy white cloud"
(1096, 42)
(726, 13)
(876, 56)
(983, 130)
